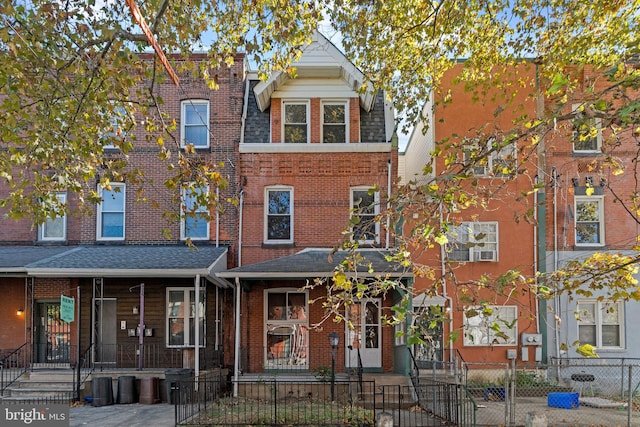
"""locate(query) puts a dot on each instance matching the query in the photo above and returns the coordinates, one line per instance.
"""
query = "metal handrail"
(11, 369)
(82, 364)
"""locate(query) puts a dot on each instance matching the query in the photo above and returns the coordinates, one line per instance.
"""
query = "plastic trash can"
(149, 390)
(127, 389)
(102, 389)
(172, 379)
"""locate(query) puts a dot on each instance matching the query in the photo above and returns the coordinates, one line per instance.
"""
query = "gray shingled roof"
(114, 261)
(314, 263)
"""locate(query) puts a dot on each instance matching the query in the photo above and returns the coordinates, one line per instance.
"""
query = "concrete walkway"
(132, 415)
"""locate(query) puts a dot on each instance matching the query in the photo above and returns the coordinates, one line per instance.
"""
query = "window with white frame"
(181, 317)
(491, 325)
(54, 229)
(286, 327)
(195, 214)
(589, 220)
(295, 121)
(473, 241)
(365, 206)
(278, 214)
(194, 123)
(487, 158)
(600, 323)
(587, 131)
(400, 332)
(111, 212)
(120, 121)
(334, 122)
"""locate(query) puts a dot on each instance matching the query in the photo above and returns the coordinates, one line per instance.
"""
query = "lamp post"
(333, 341)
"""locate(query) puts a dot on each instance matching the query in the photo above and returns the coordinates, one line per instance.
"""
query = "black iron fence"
(154, 356)
(13, 365)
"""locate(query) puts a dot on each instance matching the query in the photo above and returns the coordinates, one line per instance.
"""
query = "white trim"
(183, 217)
(480, 253)
(62, 197)
(186, 290)
(589, 199)
(599, 306)
(345, 104)
(283, 122)
(266, 239)
(376, 210)
(100, 211)
(597, 123)
(183, 106)
(484, 324)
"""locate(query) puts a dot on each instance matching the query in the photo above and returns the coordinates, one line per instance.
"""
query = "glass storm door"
(52, 337)
(366, 334)
(431, 352)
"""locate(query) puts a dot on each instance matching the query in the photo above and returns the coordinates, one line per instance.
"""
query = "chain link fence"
(600, 392)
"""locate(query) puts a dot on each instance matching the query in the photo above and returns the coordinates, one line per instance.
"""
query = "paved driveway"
(132, 415)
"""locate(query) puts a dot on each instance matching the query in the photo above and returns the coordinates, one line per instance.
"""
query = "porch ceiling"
(117, 261)
(317, 263)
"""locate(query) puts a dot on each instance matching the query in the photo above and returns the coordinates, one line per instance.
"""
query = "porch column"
(197, 332)
(236, 358)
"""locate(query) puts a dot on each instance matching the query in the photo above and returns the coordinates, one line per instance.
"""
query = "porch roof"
(117, 261)
(317, 263)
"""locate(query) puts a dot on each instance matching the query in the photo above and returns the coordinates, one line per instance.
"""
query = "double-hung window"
(334, 122)
(111, 212)
(181, 317)
(487, 158)
(491, 325)
(55, 229)
(587, 132)
(473, 241)
(278, 212)
(365, 206)
(295, 121)
(120, 121)
(589, 220)
(194, 123)
(600, 323)
(195, 214)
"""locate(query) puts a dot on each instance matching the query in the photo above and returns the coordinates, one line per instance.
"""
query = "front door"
(429, 354)
(52, 335)
(365, 337)
(105, 329)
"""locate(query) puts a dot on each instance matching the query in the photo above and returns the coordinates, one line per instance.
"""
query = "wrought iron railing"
(13, 366)
(154, 356)
(82, 371)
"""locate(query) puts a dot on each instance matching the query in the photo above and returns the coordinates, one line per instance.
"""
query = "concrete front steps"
(42, 384)
(390, 390)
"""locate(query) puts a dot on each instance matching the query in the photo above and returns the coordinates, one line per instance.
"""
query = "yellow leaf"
(590, 191)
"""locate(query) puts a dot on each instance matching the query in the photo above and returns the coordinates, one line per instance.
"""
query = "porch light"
(20, 312)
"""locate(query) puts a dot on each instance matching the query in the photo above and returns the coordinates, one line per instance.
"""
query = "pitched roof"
(115, 261)
(316, 263)
(321, 58)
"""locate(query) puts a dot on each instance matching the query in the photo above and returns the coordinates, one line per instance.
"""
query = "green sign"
(67, 308)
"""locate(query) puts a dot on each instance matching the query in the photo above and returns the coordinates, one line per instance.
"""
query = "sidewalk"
(131, 415)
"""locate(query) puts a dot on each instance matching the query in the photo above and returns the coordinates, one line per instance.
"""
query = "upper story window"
(295, 121)
(365, 206)
(54, 229)
(589, 220)
(181, 316)
(600, 323)
(111, 212)
(473, 241)
(587, 132)
(334, 122)
(194, 123)
(120, 121)
(491, 325)
(195, 214)
(278, 211)
(486, 158)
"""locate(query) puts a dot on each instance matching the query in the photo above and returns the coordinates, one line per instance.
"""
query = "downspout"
(197, 331)
(236, 357)
(556, 300)
(444, 291)
(387, 237)
(535, 254)
(217, 218)
(240, 206)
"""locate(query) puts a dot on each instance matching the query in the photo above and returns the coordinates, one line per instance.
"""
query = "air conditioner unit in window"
(485, 255)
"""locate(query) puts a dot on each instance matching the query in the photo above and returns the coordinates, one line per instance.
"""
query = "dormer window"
(296, 122)
(334, 122)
